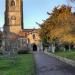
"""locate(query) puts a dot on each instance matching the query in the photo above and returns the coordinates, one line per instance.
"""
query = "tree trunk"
(69, 47)
(53, 48)
(64, 49)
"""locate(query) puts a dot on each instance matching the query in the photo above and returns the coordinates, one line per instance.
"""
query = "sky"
(34, 11)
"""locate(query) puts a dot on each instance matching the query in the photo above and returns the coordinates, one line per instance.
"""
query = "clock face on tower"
(13, 20)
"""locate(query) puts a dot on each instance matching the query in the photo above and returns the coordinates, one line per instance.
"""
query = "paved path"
(47, 65)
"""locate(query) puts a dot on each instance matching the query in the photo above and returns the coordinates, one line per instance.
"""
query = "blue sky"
(34, 11)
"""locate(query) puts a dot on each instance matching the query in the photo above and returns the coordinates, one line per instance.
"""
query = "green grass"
(22, 65)
(67, 54)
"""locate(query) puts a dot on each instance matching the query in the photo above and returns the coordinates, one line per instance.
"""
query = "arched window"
(12, 3)
(34, 36)
(28, 40)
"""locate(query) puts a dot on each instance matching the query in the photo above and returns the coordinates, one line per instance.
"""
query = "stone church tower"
(13, 16)
(14, 24)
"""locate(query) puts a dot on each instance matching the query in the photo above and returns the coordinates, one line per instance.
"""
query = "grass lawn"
(22, 65)
(67, 54)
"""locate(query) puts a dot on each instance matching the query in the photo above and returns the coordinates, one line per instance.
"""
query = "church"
(14, 24)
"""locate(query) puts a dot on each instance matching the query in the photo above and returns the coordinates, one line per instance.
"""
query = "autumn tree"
(57, 25)
(68, 22)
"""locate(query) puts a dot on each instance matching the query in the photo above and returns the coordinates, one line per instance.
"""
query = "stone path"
(47, 65)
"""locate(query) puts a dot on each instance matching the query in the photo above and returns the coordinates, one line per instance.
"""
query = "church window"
(12, 3)
(33, 36)
(28, 40)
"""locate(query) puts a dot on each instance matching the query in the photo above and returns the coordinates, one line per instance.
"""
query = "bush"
(23, 51)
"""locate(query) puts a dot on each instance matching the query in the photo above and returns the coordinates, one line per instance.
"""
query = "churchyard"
(22, 64)
(23, 51)
(15, 56)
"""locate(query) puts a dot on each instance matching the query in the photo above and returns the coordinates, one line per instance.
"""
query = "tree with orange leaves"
(60, 22)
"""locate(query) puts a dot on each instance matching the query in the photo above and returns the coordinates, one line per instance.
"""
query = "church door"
(34, 47)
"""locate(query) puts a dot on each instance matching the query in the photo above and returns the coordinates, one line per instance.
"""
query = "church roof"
(30, 30)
